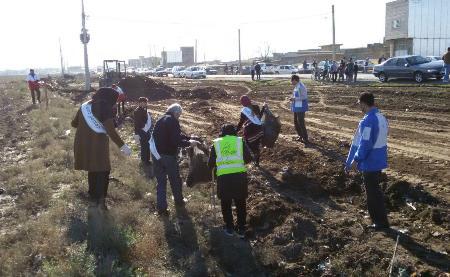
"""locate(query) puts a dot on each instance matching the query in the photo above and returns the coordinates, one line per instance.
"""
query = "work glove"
(126, 150)
(137, 139)
(194, 142)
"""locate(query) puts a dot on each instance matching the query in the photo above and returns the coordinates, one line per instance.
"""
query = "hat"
(142, 99)
(228, 130)
(245, 101)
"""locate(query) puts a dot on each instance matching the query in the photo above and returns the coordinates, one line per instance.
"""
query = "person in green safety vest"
(229, 154)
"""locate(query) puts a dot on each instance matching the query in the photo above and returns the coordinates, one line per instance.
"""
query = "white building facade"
(418, 27)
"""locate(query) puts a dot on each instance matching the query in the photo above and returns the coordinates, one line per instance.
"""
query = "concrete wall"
(396, 25)
(429, 26)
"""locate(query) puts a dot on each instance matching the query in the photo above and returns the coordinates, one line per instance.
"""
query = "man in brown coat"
(142, 129)
(94, 122)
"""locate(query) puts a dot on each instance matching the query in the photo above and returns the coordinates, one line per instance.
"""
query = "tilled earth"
(305, 215)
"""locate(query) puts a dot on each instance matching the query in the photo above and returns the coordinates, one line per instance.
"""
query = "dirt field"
(305, 216)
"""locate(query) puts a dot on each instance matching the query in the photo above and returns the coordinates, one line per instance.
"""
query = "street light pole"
(334, 34)
(85, 37)
(239, 42)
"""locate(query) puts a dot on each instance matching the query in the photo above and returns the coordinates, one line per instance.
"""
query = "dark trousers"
(241, 211)
(33, 95)
(253, 75)
(375, 199)
(355, 76)
(165, 167)
(98, 185)
(258, 75)
(300, 127)
(254, 148)
(145, 147)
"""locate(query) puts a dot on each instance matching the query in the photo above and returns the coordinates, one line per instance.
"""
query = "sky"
(123, 29)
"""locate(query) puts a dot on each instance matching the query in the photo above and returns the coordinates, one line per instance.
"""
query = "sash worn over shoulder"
(148, 124)
(91, 120)
(251, 116)
(153, 149)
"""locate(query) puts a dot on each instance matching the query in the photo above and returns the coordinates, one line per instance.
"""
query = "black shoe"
(241, 233)
(228, 231)
(163, 213)
(379, 227)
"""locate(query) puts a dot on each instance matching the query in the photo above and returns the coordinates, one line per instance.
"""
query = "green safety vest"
(229, 155)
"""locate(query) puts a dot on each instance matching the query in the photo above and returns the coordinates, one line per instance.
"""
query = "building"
(185, 56)
(372, 51)
(417, 27)
(143, 62)
(188, 56)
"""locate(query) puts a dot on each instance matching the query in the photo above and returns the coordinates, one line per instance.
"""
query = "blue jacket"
(369, 146)
(300, 94)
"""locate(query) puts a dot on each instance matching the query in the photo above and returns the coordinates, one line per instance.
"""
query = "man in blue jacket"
(299, 106)
(369, 154)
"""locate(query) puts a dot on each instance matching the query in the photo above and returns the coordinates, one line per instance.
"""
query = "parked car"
(194, 72)
(286, 69)
(362, 65)
(417, 68)
(267, 68)
(210, 71)
(178, 71)
(434, 58)
(160, 72)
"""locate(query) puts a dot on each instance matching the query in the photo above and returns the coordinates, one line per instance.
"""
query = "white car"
(286, 69)
(178, 71)
(267, 68)
(194, 72)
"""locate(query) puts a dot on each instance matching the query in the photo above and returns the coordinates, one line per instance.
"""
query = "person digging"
(228, 156)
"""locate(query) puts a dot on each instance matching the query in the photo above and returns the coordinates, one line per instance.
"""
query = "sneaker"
(228, 231)
(241, 233)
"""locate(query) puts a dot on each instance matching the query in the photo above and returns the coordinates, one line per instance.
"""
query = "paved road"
(361, 77)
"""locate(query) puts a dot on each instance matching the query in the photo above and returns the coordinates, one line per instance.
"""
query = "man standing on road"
(258, 71)
(349, 70)
(369, 153)
(299, 106)
(446, 59)
(164, 143)
(334, 71)
(252, 71)
(33, 85)
(142, 126)
(381, 59)
(366, 65)
(228, 155)
(355, 72)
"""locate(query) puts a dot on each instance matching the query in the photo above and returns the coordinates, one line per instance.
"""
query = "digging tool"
(391, 266)
(213, 196)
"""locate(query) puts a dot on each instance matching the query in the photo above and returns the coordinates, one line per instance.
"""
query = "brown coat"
(91, 150)
(446, 58)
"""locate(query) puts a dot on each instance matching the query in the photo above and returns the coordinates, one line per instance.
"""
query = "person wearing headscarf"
(228, 156)
(94, 122)
(250, 121)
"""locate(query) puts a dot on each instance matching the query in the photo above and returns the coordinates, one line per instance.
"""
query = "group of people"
(344, 71)
(256, 70)
(160, 144)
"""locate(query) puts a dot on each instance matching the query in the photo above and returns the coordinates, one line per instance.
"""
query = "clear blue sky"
(126, 29)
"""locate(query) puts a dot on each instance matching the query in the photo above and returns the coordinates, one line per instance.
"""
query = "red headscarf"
(245, 101)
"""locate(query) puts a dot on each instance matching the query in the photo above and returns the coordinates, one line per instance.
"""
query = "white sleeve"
(28, 78)
(36, 77)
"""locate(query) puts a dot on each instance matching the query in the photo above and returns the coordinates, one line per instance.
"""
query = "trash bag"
(271, 128)
(198, 165)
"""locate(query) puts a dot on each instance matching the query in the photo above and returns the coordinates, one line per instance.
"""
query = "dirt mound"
(204, 93)
(267, 213)
(399, 192)
(140, 86)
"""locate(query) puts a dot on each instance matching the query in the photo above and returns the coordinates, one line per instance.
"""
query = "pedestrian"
(369, 154)
(446, 59)
(250, 120)
(366, 65)
(232, 69)
(334, 71)
(252, 71)
(355, 71)
(381, 59)
(314, 64)
(164, 144)
(120, 100)
(228, 156)
(349, 70)
(142, 129)
(341, 70)
(95, 125)
(33, 85)
(326, 69)
(305, 65)
(226, 69)
(258, 71)
(299, 106)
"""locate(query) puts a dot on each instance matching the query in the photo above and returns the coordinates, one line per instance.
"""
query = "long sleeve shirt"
(167, 135)
(300, 98)
(369, 146)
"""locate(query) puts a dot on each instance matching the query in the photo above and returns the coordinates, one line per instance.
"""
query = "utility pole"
(195, 57)
(61, 57)
(334, 34)
(85, 37)
(239, 44)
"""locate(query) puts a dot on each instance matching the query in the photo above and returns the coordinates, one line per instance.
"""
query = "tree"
(266, 52)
